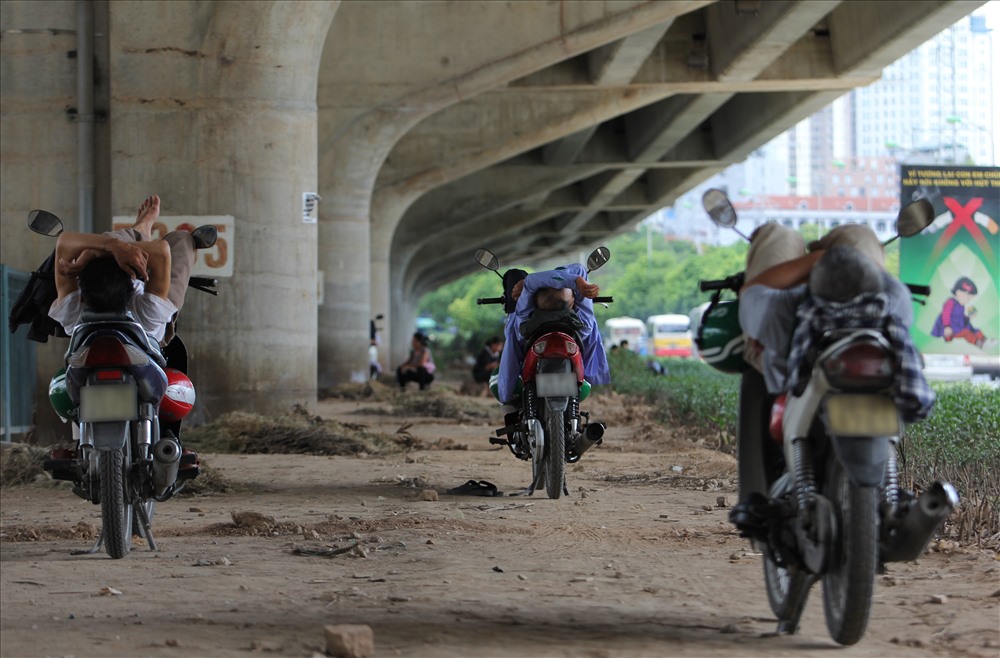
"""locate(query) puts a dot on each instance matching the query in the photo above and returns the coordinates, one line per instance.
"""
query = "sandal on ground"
(476, 488)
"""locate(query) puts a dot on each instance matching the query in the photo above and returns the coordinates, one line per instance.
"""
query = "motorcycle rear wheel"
(116, 516)
(849, 582)
(555, 453)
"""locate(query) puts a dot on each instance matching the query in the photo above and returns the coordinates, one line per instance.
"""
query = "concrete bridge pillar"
(213, 107)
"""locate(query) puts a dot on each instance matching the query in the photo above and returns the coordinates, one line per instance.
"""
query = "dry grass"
(296, 432)
(21, 464)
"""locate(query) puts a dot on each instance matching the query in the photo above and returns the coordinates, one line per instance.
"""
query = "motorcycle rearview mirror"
(914, 217)
(597, 258)
(720, 210)
(486, 258)
(45, 223)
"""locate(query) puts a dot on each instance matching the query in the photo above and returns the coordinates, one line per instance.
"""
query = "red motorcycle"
(548, 427)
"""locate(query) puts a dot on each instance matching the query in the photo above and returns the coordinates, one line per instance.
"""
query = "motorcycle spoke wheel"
(787, 588)
(555, 453)
(116, 515)
(849, 582)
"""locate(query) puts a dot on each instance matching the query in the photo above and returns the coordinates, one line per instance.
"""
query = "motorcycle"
(126, 399)
(835, 510)
(548, 428)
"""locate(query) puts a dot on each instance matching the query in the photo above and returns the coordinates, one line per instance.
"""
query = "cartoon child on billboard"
(955, 320)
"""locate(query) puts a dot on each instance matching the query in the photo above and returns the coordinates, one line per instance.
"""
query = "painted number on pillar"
(216, 261)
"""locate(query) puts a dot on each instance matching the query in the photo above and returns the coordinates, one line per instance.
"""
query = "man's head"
(554, 299)
(843, 273)
(105, 287)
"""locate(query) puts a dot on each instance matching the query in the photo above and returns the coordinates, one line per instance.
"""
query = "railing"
(17, 362)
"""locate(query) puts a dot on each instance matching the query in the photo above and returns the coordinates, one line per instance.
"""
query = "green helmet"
(59, 397)
(720, 338)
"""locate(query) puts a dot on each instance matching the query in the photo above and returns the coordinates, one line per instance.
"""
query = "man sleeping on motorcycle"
(562, 289)
(789, 296)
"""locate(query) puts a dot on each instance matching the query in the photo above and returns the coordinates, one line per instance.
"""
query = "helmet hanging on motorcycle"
(721, 338)
(179, 397)
(59, 397)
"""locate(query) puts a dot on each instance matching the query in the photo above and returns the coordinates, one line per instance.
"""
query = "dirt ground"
(638, 561)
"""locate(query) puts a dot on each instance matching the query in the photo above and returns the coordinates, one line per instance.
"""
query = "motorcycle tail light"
(571, 348)
(860, 365)
(539, 347)
(109, 375)
(107, 351)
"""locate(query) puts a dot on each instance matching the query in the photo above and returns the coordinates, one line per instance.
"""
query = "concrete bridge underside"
(428, 129)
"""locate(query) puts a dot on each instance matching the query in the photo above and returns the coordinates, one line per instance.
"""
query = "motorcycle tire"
(849, 582)
(787, 588)
(116, 515)
(555, 453)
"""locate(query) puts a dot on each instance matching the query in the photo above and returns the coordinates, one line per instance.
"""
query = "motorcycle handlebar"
(734, 282)
(918, 289)
(489, 300)
(604, 300)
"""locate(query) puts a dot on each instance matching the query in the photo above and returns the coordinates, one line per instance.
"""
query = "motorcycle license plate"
(108, 402)
(556, 385)
(862, 415)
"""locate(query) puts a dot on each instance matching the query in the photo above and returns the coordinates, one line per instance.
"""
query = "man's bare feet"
(149, 212)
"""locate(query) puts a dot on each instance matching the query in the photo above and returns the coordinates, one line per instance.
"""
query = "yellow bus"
(669, 335)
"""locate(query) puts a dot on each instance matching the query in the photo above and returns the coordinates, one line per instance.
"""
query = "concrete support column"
(344, 259)
(204, 115)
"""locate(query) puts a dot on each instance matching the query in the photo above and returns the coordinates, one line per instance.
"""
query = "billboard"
(958, 256)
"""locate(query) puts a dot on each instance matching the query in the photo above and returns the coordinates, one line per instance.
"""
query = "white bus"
(625, 328)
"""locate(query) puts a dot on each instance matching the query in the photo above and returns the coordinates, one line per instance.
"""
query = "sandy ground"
(638, 561)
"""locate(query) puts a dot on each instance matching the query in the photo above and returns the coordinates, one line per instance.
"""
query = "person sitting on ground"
(419, 367)
(561, 289)
(843, 276)
(487, 361)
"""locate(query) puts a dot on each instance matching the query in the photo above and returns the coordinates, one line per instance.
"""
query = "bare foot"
(149, 212)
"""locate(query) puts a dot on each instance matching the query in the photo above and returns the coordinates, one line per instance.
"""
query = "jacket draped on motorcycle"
(594, 359)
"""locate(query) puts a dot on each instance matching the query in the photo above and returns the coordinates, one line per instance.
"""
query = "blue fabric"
(595, 362)
(913, 396)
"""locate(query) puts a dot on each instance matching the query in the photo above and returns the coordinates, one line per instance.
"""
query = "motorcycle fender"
(110, 436)
(557, 405)
(864, 458)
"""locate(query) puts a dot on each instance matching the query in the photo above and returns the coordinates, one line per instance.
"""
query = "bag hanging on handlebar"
(32, 305)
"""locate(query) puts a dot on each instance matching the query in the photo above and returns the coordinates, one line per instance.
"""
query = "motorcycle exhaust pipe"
(166, 462)
(590, 437)
(923, 517)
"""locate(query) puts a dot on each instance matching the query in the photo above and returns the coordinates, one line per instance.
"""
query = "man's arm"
(70, 246)
(787, 274)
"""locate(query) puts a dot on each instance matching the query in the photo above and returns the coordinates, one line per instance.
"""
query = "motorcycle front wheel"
(555, 453)
(849, 582)
(116, 515)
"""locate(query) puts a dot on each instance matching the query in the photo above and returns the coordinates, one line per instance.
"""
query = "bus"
(670, 335)
(625, 328)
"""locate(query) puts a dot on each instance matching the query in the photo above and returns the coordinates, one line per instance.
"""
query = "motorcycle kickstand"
(144, 530)
(93, 549)
(790, 625)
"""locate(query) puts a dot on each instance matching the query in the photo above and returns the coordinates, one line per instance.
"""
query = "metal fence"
(17, 362)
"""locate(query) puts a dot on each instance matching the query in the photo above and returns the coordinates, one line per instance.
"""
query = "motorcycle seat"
(127, 329)
(543, 322)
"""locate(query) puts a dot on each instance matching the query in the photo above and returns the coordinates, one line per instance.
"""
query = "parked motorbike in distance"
(548, 428)
(126, 399)
(835, 510)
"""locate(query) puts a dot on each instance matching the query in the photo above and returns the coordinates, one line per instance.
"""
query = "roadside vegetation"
(960, 442)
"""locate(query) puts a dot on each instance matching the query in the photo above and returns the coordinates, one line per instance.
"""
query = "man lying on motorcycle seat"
(789, 297)
(564, 288)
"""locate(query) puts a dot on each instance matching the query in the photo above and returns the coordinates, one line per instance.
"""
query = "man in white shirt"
(105, 274)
